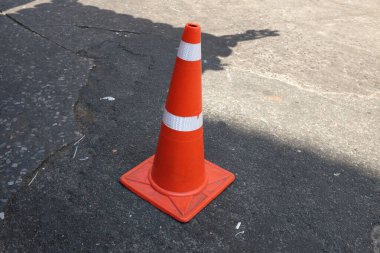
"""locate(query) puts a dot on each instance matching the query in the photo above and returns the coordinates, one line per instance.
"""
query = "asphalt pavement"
(291, 102)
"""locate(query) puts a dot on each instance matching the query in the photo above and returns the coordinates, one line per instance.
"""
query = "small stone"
(11, 182)
(14, 165)
(2, 215)
(114, 151)
(109, 98)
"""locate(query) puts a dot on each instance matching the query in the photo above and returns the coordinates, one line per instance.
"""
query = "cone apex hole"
(193, 25)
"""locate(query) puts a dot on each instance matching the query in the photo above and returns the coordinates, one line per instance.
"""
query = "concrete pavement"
(291, 100)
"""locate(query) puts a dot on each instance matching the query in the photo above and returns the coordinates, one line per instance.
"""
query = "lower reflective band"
(183, 124)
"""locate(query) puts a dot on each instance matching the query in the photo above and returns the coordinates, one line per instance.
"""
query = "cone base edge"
(184, 208)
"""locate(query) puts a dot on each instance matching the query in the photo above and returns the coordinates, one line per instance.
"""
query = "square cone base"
(181, 208)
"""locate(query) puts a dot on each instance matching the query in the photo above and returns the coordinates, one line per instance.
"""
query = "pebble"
(2, 216)
(108, 98)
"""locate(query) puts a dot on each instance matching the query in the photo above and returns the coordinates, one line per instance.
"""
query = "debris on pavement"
(81, 138)
(75, 152)
(241, 232)
(108, 98)
(31, 181)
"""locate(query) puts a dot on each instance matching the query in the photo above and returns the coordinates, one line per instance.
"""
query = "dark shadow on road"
(41, 49)
(68, 29)
(79, 27)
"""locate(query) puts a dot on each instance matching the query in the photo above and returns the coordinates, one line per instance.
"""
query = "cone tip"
(192, 25)
(192, 33)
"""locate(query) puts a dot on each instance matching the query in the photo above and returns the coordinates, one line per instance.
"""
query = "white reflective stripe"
(183, 124)
(189, 52)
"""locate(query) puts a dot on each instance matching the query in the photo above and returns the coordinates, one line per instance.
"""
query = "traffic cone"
(177, 179)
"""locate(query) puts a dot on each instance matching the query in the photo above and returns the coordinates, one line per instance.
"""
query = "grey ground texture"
(291, 98)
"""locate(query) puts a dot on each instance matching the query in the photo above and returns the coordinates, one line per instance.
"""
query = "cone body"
(179, 162)
(178, 180)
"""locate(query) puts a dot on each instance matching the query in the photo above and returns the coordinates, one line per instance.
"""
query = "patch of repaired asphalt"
(40, 83)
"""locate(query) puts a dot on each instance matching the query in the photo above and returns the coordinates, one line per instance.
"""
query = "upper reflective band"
(183, 124)
(189, 52)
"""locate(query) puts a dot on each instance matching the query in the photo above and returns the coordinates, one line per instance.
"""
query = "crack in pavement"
(78, 53)
(37, 33)
(93, 27)
(106, 29)
(151, 58)
(29, 177)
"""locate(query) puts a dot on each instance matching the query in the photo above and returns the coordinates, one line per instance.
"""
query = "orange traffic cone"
(177, 179)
